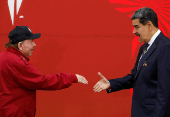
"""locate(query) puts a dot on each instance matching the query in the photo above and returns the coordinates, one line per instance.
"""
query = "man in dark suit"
(150, 77)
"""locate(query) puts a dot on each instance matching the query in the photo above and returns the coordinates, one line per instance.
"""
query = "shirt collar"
(153, 38)
(15, 51)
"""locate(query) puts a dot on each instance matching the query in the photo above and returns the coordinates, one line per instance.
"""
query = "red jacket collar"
(15, 51)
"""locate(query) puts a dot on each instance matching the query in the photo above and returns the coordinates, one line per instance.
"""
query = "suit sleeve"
(26, 75)
(122, 83)
(163, 85)
(127, 81)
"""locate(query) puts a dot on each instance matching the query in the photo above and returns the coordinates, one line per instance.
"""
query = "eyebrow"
(135, 25)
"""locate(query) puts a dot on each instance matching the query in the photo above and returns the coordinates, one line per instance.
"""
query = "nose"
(134, 31)
(34, 44)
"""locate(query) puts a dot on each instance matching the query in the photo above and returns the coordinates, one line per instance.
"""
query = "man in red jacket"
(19, 79)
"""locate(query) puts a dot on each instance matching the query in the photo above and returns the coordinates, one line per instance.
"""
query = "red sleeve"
(28, 76)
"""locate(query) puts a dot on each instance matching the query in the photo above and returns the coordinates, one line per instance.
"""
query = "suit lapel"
(148, 54)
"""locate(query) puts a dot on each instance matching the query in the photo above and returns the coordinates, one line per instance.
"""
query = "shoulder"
(164, 50)
(163, 38)
(162, 41)
(9, 58)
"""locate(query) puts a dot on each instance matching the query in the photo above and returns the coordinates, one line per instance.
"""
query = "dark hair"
(9, 44)
(144, 15)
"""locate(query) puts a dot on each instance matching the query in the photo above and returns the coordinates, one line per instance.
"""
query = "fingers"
(97, 85)
(84, 81)
(97, 88)
(102, 84)
(81, 79)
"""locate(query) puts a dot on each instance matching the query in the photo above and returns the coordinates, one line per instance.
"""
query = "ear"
(20, 45)
(150, 25)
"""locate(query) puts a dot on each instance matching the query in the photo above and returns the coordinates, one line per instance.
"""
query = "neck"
(154, 30)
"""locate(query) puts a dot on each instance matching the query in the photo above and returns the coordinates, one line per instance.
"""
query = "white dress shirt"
(153, 39)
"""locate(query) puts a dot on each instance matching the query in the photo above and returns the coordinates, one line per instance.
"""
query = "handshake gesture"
(101, 85)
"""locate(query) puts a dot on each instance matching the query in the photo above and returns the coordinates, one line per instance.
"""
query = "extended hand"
(102, 84)
(81, 79)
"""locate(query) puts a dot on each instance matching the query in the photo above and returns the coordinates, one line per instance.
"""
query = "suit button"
(134, 85)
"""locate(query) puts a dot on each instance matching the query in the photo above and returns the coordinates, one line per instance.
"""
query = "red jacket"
(19, 81)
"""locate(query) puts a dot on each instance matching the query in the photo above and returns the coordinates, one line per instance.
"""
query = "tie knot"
(146, 45)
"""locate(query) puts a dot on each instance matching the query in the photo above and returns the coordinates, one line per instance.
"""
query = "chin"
(28, 55)
(140, 41)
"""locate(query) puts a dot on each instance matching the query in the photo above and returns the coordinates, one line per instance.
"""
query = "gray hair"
(144, 15)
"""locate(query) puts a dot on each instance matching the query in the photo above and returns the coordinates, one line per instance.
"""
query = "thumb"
(101, 76)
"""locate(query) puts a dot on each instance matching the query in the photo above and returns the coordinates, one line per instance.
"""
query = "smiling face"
(143, 31)
(26, 47)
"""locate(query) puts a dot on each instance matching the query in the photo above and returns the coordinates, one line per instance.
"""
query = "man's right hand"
(81, 79)
(102, 84)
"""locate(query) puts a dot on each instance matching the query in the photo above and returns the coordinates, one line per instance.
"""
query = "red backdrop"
(84, 37)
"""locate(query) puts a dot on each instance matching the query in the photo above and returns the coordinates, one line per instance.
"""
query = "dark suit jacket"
(151, 82)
